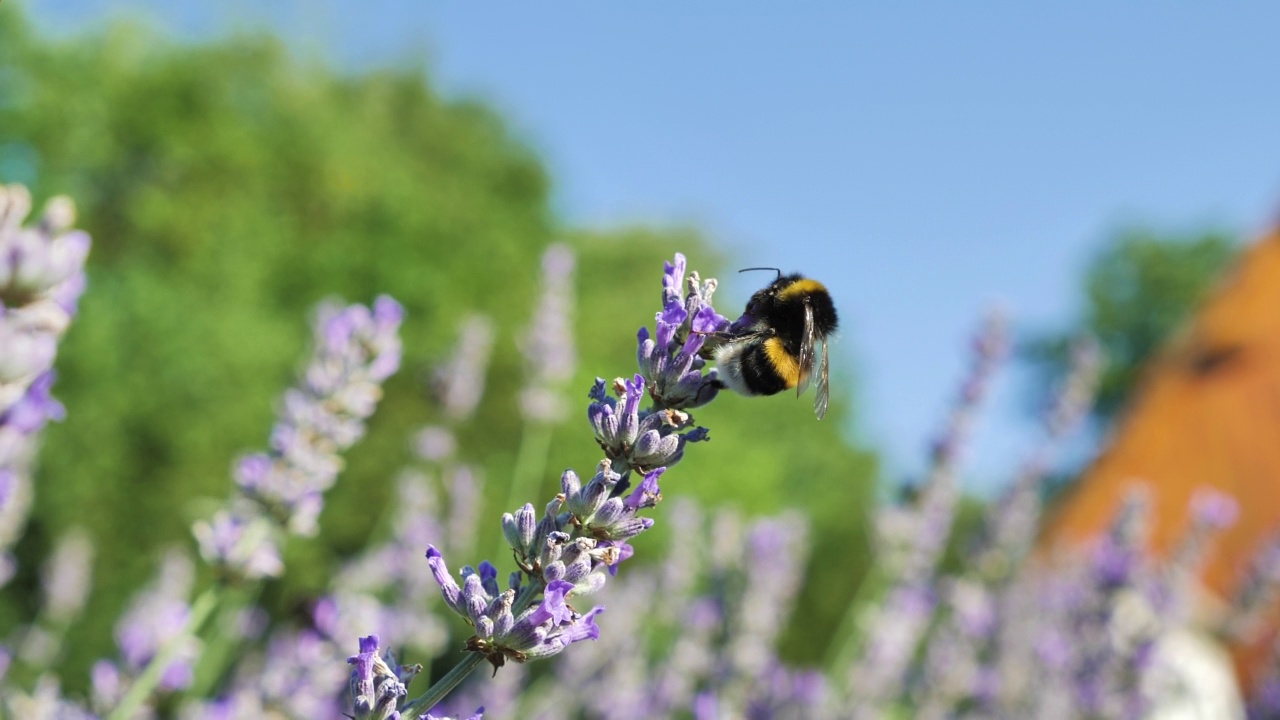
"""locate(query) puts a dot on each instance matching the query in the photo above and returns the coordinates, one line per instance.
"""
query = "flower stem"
(531, 460)
(444, 685)
(150, 676)
(221, 646)
(849, 638)
(452, 679)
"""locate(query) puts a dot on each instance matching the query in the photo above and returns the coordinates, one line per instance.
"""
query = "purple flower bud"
(647, 493)
(375, 689)
(489, 577)
(1214, 509)
(448, 587)
(584, 503)
(520, 530)
(670, 361)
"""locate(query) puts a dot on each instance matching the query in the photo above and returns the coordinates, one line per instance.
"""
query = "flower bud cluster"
(41, 279)
(357, 348)
(376, 684)
(502, 632)
(669, 358)
(638, 440)
(582, 535)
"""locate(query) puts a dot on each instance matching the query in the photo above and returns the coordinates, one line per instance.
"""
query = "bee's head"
(762, 299)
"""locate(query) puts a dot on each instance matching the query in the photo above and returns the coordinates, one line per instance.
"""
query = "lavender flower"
(376, 686)
(583, 534)
(548, 343)
(540, 631)
(41, 279)
(635, 439)
(458, 384)
(912, 541)
(1257, 594)
(66, 578)
(1211, 512)
(357, 348)
(240, 541)
(155, 617)
(1012, 520)
(721, 594)
(668, 358)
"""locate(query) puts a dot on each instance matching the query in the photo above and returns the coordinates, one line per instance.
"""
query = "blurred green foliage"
(229, 187)
(1138, 291)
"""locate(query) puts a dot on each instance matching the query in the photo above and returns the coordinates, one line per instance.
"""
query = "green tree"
(228, 187)
(1139, 289)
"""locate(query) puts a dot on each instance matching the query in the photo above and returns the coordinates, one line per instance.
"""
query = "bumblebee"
(780, 342)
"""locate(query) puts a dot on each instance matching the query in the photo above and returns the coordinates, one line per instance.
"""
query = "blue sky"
(924, 160)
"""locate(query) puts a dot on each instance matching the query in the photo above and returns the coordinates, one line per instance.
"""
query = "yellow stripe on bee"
(803, 286)
(782, 361)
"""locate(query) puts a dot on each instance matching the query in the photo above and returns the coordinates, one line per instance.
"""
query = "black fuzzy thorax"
(786, 315)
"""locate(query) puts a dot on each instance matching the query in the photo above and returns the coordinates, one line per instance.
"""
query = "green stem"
(150, 677)
(531, 461)
(445, 685)
(221, 645)
(849, 637)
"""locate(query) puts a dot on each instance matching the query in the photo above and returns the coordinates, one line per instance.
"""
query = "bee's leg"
(711, 384)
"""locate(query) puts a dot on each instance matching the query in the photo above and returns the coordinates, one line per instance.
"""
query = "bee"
(780, 342)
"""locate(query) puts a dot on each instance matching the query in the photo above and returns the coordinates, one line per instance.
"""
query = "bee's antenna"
(762, 268)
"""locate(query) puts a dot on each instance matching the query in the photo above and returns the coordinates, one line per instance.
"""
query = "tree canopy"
(228, 187)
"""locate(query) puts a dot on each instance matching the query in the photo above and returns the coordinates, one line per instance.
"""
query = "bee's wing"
(805, 361)
(823, 392)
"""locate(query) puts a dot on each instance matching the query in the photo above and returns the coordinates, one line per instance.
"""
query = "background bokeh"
(1093, 169)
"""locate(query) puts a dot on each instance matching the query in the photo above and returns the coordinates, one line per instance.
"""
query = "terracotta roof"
(1207, 413)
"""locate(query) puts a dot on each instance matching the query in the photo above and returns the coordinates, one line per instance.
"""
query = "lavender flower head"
(41, 279)
(548, 343)
(540, 631)
(156, 617)
(239, 540)
(458, 384)
(357, 348)
(633, 439)
(668, 358)
(582, 536)
(376, 686)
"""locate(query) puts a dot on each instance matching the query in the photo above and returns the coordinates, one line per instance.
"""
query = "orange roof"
(1207, 413)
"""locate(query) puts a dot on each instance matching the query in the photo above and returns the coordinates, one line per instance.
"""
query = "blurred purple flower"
(548, 344)
(155, 617)
(356, 349)
(458, 384)
(41, 277)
